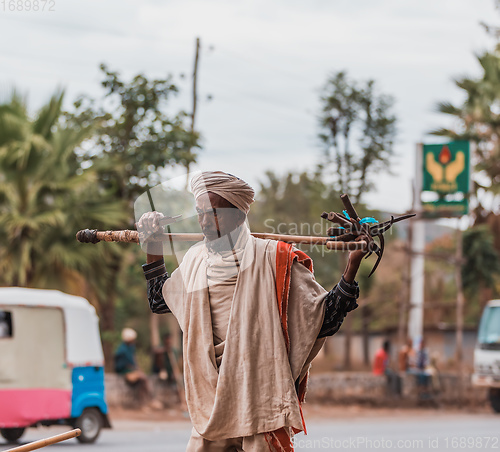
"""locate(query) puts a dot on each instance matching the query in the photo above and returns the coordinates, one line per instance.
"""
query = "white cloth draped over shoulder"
(253, 389)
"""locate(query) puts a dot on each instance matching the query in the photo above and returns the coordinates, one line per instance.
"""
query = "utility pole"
(195, 103)
(460, 296)
(195, 74)
(405, 295)
(460, 310)
(416, 315)
(404, 300)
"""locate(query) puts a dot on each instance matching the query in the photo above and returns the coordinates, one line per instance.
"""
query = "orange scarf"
(280, 440)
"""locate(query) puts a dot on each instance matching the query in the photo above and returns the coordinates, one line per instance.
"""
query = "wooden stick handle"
(47, 442)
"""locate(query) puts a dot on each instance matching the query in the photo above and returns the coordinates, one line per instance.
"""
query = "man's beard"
(225, 242)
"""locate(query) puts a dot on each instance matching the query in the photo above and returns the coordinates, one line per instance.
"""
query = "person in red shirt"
(381, 360)
(381, 367)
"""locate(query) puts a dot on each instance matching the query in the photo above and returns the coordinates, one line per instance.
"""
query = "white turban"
(227, 186)
(128, 335)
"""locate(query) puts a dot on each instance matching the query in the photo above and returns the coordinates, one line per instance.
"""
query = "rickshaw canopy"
(81, 324)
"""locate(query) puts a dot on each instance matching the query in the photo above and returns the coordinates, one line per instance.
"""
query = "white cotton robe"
(252, 391)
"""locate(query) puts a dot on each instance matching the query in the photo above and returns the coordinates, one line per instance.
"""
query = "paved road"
(420, 432)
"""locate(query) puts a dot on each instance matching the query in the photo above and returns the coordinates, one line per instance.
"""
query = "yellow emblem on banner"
(444, 171)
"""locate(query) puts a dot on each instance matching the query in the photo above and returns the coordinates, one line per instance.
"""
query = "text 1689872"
(27, 5)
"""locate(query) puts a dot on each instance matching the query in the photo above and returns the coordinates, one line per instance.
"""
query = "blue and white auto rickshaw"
(51, 363)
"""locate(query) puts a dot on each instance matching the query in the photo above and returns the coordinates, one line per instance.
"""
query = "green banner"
(446, 167)
(445, 172)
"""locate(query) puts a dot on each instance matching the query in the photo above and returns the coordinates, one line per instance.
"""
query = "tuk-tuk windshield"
(489, 330)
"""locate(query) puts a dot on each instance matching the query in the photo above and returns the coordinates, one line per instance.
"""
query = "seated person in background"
(422, 358)
(406, 356)
(126, 365)
(433, 371)
(420, 370)
(165, 358)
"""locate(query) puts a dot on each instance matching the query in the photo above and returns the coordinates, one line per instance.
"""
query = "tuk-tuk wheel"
(12, 434)
(90, 423)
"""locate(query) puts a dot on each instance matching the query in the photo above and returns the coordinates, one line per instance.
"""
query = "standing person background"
(253, 318)
(381, 360)
(382, 366)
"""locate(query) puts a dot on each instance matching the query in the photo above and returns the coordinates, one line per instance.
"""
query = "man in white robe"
(253, 318)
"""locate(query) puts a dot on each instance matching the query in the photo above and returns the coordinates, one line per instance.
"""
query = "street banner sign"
(446, 179)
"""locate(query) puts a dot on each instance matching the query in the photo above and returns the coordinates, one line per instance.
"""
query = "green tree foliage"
(478, 119)
(135, 138)
(44, 196)
(358, 129)
(64, 171)
(481, 269)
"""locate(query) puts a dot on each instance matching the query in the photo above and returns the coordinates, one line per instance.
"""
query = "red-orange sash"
(279, 440)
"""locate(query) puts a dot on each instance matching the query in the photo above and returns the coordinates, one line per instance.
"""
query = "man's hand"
(358, 255)
(148, 225)
(355, 258)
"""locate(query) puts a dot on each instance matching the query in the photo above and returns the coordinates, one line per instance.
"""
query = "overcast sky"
(264, 63)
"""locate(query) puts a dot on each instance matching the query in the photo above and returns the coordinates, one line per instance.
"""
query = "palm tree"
(482, 262)
(478, 120)
(45, 196)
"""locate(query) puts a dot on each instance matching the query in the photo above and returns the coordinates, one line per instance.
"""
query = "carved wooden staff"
(47, 441)
(129, 236)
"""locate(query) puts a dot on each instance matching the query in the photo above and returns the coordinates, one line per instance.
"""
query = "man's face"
(216, 216)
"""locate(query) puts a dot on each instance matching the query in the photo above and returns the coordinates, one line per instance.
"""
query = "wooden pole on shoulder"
(47, 441)
(93, 236)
